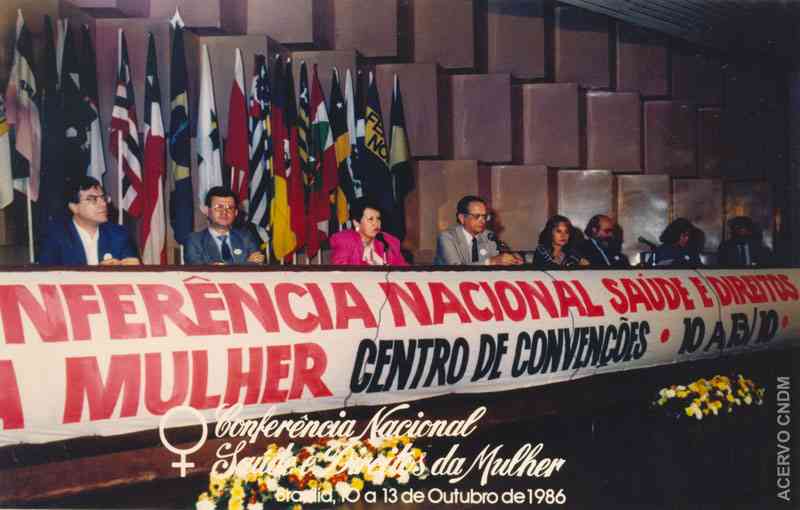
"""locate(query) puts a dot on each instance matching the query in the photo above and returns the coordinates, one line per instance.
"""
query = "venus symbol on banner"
(182, 453)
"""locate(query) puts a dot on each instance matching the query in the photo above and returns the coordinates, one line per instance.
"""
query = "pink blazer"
(348, 249)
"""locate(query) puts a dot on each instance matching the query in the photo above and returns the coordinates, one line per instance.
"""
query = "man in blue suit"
(220, 243)
(87, 238)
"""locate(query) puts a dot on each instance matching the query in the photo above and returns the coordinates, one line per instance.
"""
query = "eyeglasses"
(224, 208)
(487, 217)
(95, 199)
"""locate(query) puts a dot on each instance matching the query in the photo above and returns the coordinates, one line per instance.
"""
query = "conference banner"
(108, 353)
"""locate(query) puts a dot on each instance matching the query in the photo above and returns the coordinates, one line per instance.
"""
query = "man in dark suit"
(602, 244)
(469, 243)
(87, 238)
(745, 247)
(220, 243)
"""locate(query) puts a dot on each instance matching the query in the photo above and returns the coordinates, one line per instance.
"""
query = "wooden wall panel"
(642, 61)
(614, 131)
(516, 32)
(522, 197)
(481, 129)
(431, 207)
(367, 26)
(670, 138)
(551, 130)
(195, 13)
(286, 21)
(700, 201)
(582, 47)
(419, 87)
(584, 193)
(643, 203)
(443, 32)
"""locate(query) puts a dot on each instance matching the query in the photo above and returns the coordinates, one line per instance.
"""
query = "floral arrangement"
(325, 473)
(720, 395)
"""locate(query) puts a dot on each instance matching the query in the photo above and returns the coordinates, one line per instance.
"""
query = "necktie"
(474, 249)
(227, 256)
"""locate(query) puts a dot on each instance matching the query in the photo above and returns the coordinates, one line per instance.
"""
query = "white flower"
(255, 506)
(343, 489)
(378, 476)
(282, 494)
(403, 477)
(205, 504)
(308, 496)
(272, 484)
(670, 393)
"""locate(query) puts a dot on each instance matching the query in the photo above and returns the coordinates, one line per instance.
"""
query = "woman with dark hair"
(679, 246)
(366, 245)
(556, 245)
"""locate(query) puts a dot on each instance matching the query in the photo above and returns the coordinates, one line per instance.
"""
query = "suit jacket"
(729, 254)
(201, 247)
(62, 245)
(348, 249)
(452, 248)
(591, 252)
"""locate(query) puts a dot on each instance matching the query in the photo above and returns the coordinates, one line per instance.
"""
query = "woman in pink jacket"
(366, 245)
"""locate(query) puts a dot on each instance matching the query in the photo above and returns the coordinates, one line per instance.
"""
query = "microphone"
(501, 246)
(649, 243)
(382, 240)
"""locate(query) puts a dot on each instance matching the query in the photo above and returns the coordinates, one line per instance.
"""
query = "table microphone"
(651, 244)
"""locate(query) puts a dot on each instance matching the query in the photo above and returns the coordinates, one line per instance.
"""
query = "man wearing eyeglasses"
(88, 238)
(469, 242)
(220, 243)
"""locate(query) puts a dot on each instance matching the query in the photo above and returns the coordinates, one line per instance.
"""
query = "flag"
(6, 179)
(88, 65)
(297, 201)
(374, 161)
(325, 174)
(341, 139)
(303, 129)
(399, 161)
(124, 124)
(181, 200)
(78, 113)
(53, 170)
(153, 229)
(209, 163)
(355, 121)
(284, 240)
(261, 189)
(237, 152)
(22, 113)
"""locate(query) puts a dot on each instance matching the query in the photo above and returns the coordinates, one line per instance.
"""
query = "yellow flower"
(297, 506)
(237, 492)
(405, 439)
(312, 484)
(416, 452)
(357, 483)
(326, 487)
(235, 504)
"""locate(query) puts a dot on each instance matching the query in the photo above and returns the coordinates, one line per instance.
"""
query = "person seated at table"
(221, 243)
(367, 244)
(469, 242)
(556, 249)
(602, 247)
(745, 247)
(87, 237)
(679, 246)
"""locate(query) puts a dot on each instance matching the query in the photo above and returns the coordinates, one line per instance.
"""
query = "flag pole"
(119, 176)
(30, 222)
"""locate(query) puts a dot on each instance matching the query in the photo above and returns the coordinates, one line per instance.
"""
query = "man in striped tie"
(221, 243)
